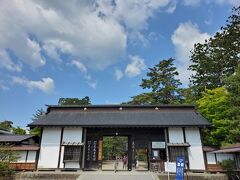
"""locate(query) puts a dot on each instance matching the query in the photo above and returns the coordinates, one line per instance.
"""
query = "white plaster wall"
(223, 156)
(72, 134)
(61, 157)
(31, 156)
(195, 152)
(211, 158)
(72, 165)
(49, 149)
(22, 156)
(175, 135)
(170, 167)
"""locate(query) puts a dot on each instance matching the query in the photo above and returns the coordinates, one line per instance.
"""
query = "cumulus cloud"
(197, 2)
(184, 37)
(135, 67)
(118, 74)
(6, 62)
(45, 84)
(94, 31)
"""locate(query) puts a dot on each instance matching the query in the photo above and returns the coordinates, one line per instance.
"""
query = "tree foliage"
(217, 107)
(37, 131)
(114, 146)
(18, 130)
(7, 156)
(218, 57)
(214, 105)
(6, 125)
(74, 101)
(163, 83)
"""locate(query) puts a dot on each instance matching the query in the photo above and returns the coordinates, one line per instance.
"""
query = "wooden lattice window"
(72, 153)
(176, 151)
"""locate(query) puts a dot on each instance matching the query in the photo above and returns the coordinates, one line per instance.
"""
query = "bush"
(228, 164)
(7, 156)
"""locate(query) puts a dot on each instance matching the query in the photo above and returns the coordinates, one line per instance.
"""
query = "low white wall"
(21, 156)
(195, 152)
(224, 156)
(49, 150)
(31, 156)
(170, 167)
(72, 165)
(211, 158)
(219, 156)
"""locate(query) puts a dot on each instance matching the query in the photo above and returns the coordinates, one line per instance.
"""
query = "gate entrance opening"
(115, 153)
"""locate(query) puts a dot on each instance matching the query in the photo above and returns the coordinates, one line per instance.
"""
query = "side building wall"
(195, 152)
(52, 151)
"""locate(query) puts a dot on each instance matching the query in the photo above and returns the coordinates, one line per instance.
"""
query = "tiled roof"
(14, 137)
(121, 116)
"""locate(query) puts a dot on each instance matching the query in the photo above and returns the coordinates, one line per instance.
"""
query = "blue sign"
(180, 165)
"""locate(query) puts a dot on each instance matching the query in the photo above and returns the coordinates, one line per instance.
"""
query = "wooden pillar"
(84, 147)
(130, 152)
(60, 148)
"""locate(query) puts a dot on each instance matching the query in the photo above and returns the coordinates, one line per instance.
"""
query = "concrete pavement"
(120, 175)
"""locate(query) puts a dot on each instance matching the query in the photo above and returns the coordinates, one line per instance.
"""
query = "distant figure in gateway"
(124, 160)
(116, 164)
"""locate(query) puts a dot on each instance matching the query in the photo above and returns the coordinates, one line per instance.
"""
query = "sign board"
(180, 165)
(100, 145)
(158, 145)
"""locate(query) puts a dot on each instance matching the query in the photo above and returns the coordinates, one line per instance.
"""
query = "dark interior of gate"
(126, 148)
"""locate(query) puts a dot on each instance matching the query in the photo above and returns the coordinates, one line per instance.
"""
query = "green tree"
(18, 130)
(163, 83)
(7, 156)
(215, 105)
(233, 87)
(6, 125)
(37, 131)
(142, 99)
(74, 101)
(218, 57)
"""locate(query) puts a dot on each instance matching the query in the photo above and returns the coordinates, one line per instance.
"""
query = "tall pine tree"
(218, 57)
(163, 83)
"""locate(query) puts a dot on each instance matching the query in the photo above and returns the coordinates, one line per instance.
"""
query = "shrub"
(7, 156)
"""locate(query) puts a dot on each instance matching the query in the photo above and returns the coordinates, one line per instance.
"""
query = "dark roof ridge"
(123, 105)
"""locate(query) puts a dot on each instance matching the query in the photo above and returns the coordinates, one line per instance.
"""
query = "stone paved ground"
(109, 175)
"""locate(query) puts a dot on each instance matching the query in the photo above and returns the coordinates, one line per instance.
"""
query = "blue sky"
(101, 49)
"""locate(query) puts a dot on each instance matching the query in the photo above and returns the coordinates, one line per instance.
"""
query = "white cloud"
(231, 2)
(184, 38)
(6, 62)
(45, 84)
(82, 68)
(94, 31)
(118, 74)
(221, 2)
(135, 67)
(172, 6)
